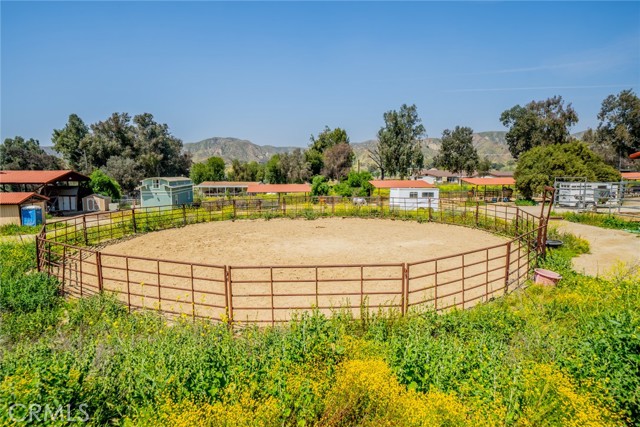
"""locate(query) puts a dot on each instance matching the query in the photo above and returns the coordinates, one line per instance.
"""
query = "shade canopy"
(279, 188)
(631, 175)
(490, 181)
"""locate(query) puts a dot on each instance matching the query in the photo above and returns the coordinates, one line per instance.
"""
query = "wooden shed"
(11, 205)
(96, 203)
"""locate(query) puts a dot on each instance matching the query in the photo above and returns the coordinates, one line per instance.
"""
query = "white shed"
(410, 195)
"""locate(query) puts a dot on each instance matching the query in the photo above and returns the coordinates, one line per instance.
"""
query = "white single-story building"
(436, 176)
(223, 188)
(409, 195)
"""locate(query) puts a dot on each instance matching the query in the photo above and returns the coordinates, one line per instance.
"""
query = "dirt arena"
(295, 242)
(281, 266)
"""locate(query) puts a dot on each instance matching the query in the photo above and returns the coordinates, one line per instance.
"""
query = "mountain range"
(491, 144)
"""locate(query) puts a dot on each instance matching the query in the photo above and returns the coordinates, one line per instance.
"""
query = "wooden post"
(233, 203)
(133, 217)
(184, 214)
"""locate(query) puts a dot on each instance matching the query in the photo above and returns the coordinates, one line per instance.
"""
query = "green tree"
(294, 167)
(246, 171)
(326, 139)
(128, 150)
(68, 142)
(484, 166)
(540, 165)
(102, 183)
(538, 123)
(26, 154)
(210, 170)
(125, 171)
(457, 153)
(398, 151)
(319, 186)
(619, 127)
(274, 173)
(359, 181)
(158, 152)
(114, 137)
(337, 161)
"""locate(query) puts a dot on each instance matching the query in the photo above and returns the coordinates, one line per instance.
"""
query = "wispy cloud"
(513, 89)
(569, 65)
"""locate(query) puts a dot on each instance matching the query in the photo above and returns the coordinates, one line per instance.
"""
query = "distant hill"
(232, 148)
(49, 150)
(491, 144)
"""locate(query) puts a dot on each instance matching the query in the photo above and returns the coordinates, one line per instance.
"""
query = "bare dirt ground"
(608, 247)
(294, 242)
(312, 273)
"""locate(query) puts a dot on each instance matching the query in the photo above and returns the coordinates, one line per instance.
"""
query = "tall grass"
(565, 356)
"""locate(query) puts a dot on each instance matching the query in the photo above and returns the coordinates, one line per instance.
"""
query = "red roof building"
(19, 198)
(62, 187)
(633, 176)
(12, 203)
(489, 181)
(40, 177)
(278, 188)
(400, 183)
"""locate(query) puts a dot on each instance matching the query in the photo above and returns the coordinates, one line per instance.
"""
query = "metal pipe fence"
(70, 249)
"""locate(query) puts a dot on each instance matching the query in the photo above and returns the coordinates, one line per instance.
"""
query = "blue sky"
(275, 73)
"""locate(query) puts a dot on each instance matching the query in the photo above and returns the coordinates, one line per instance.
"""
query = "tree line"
(129, 149)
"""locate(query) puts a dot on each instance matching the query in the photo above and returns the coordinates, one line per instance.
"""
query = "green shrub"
(15, 230)
(16, 259)
(343, 189)
(29, 293)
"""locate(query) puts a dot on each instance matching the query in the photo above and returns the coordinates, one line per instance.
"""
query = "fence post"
(229, 292)
(99, 272)
(435, 286)
(233, 203)
(477, 213)
(133, 217)
(84, 230)
(284, 206)
(193, 296)
(64, 261)
(506, 268)
(405, 289)
(38, 251)
(184, 214)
